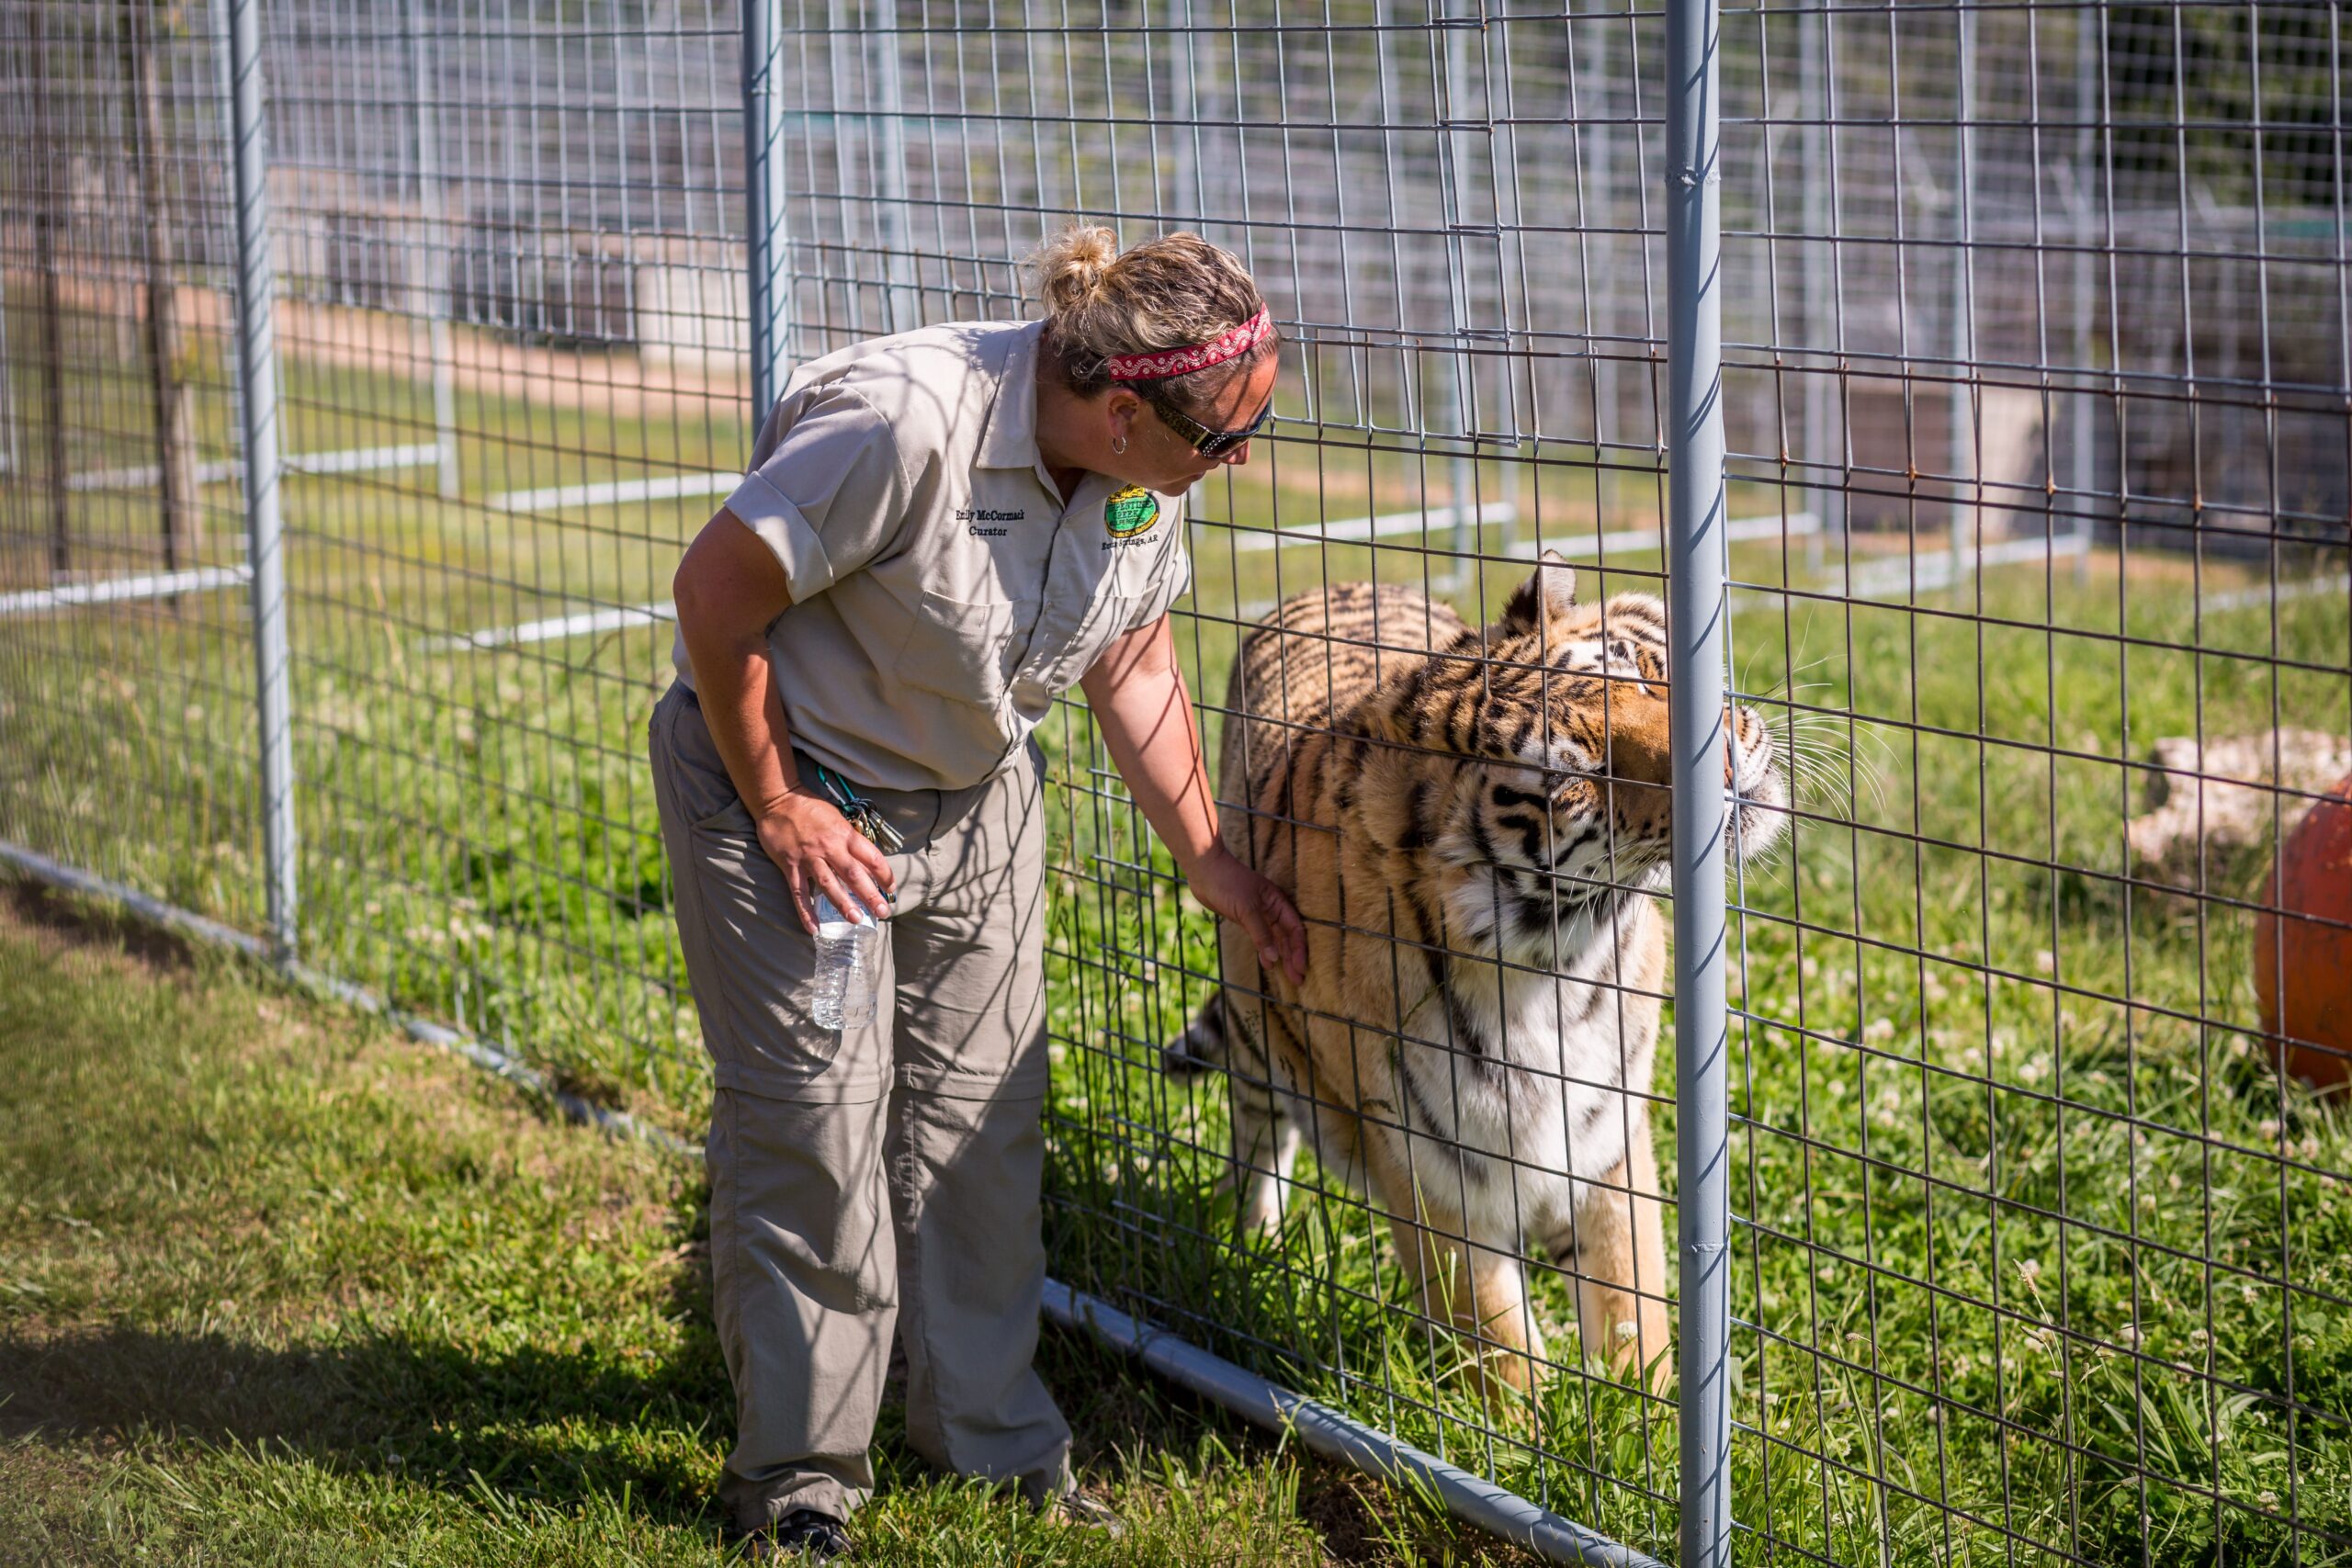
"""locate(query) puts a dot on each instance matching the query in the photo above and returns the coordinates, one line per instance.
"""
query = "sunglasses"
(1207, 442)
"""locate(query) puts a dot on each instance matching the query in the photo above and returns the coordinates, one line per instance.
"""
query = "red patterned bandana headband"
(1162, 364)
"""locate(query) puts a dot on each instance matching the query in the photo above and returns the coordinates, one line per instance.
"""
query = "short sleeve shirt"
(942, 592)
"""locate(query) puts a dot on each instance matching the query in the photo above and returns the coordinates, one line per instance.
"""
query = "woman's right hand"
(817, 851)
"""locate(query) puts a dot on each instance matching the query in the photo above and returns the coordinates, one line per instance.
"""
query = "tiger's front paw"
(1259, 1207)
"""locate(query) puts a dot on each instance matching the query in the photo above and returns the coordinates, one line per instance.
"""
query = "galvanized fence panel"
(126, 734)
(509, 240)
(2034, 391)
(2042, 310)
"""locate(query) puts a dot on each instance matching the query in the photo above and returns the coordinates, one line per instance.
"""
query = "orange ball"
(2305, 949)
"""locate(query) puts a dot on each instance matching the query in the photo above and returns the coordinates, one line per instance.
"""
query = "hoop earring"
(1118, 446)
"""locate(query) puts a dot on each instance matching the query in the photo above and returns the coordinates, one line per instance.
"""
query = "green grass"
(1996, 1107)
(279, 1287)
(1995, 1104)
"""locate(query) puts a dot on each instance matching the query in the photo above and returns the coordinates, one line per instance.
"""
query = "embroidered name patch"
(1130, 510)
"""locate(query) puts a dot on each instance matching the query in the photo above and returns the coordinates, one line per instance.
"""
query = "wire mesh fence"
(2034, 384)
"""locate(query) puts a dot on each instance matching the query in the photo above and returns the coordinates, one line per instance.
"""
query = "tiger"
(1471, 822)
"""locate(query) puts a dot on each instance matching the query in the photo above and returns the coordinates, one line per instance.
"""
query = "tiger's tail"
(1202, 1047)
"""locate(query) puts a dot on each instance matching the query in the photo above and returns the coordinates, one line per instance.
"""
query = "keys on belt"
(863, 814)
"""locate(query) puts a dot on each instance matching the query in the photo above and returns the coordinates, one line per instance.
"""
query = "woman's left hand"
(1257, 906)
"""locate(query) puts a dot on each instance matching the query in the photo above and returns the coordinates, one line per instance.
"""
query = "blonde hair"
(1170, 292)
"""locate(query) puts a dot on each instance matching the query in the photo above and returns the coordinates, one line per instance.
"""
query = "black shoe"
(803, 1533)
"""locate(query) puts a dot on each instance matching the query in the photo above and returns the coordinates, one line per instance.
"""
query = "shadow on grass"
(563, 1427)
(101, 924)
(473, 1383)
(558, 1426)
(566, 1427)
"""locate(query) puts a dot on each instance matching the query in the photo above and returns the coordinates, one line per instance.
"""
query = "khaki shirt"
(942, 596)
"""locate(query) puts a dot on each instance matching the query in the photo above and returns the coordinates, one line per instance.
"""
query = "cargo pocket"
(749, 964)
(754, 973)
(732, 817)
(689, 760)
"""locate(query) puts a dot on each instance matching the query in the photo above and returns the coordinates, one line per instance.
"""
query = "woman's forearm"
(737, 692)
(725, 601)
(730, 589)
(1136, 692)
(1140, 705)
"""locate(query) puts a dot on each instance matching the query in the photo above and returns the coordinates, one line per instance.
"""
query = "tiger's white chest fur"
(1515, 1073)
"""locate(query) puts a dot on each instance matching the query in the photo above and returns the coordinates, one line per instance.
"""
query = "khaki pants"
(880, 1177)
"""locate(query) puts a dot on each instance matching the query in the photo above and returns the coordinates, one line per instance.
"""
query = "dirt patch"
(1366, 1521)
(615, 381)
(1336, 1503)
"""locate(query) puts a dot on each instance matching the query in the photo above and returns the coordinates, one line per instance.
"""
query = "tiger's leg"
(1480, 1291)
(1505, 1318)
(1618, 1254)
(1253, 1033)
(1265, 1140)
(1265, 1143)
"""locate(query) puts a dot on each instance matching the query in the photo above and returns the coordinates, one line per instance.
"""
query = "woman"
(940, 532)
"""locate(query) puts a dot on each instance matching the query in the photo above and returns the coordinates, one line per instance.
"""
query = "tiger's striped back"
(1301, 672)
(1313, 659)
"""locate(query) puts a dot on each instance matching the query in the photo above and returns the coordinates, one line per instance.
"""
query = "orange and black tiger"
(1471, 822)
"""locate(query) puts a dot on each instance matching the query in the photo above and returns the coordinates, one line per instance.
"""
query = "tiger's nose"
(1640, 744)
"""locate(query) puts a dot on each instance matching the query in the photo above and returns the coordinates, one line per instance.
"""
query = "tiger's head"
(1534, 757)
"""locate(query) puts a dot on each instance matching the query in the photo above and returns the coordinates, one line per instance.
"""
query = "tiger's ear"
(1549, 592)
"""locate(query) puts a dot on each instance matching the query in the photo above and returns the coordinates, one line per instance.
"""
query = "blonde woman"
(940, 532)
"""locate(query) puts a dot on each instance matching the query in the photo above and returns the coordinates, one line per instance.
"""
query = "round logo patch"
(1130, 510)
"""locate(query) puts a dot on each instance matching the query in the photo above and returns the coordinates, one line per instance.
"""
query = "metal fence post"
(764, 193)
(1698, 609)
(894, 224)
(265, 548)
(48, 218)
(439, 340)
(1962, 414)
(1459, 386)
(8, 454)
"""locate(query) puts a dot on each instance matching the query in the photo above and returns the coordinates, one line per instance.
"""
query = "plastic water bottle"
(849, 968)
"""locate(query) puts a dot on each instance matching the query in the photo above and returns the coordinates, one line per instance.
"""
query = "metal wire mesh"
(126, 649)
(2036, 380)
(2034, 1241)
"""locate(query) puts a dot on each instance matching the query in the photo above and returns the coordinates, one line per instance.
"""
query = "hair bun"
(1070, 267)
(1173, 291)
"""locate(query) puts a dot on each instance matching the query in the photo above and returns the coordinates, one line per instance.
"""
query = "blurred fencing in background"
(2036, 385)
